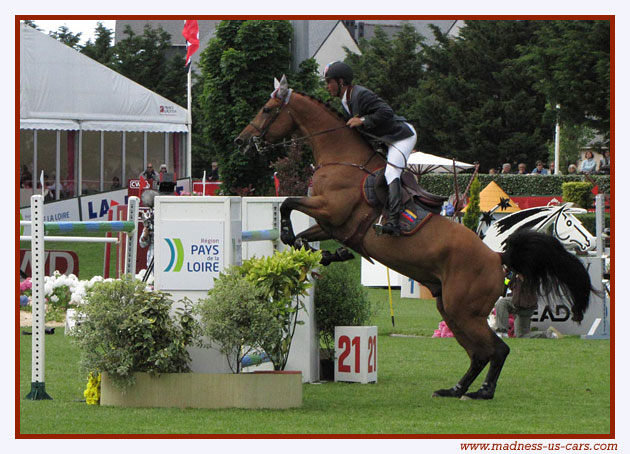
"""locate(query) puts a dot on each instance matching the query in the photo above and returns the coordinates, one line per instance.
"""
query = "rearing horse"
(465, 276)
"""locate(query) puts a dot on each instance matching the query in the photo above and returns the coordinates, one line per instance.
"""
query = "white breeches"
(397, 154)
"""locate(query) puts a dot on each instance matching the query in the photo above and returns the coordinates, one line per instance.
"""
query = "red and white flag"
(191, 33)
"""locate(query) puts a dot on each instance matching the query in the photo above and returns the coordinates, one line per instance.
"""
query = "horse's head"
(272, 123)
(570, 231)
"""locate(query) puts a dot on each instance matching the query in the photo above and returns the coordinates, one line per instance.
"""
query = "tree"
(389, 67)
(64, 35)
(473, 210)
(569, 61)
(101, 49)
(237, 72)
(477, 102)
(143, 58)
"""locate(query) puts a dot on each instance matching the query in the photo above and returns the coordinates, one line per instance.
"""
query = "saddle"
(418, 204)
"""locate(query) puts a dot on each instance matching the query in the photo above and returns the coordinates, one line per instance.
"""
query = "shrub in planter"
(578, 193)
(283, 279)
(235, 316)
(129, 329)
(340, 300)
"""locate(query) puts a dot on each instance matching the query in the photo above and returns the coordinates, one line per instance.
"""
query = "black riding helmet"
(337, 70)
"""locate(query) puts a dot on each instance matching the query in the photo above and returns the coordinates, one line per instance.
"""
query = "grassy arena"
(547, 387)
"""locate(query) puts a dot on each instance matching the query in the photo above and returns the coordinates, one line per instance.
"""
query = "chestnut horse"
(465, 276)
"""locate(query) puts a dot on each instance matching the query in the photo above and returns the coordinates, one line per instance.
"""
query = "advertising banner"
(95, 207)
(62, 211)
(193, 253)
(66, 262)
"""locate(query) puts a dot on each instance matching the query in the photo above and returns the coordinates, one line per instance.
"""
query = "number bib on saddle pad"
(419, 205)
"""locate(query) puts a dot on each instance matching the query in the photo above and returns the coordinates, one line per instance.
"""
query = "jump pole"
(38, 255)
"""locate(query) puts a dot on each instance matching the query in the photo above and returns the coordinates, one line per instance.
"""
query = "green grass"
(547, 387)
(91, 256)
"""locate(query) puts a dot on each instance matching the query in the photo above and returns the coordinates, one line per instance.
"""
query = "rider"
(365, 110)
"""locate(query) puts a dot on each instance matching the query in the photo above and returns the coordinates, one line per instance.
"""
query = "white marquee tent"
(61, 88)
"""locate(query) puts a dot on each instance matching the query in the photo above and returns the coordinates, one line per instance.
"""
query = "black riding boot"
(392, 226)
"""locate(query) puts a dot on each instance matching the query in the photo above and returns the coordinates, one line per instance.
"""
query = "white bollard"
(356, 358)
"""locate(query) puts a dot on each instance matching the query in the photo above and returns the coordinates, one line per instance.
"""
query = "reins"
(265, 128)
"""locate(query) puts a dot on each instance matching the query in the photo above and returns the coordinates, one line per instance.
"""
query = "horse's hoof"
(450, 392)
(326, 258)
(344, 254)
(482, 394)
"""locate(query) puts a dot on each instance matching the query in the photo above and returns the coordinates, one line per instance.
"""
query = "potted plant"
(255, 306)
(340, 300)
(127, 328)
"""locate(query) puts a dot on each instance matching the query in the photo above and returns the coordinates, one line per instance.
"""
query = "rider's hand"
(354, 122)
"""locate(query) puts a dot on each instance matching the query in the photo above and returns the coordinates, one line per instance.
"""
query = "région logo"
(204, 257)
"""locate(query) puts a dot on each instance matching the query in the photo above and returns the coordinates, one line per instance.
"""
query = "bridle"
(264, 128)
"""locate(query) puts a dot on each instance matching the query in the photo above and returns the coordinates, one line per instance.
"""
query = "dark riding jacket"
(380, 120)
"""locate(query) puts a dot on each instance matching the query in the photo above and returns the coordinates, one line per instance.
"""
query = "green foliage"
(101, 49)
(588, 220)
(389, 66)
(340, 300)
(237, 72)
(64, 35)
(473, 211)
(295, 171)
(236, 317)
(569, 61)
(578, 193)
(128, 329)
(513, 185)
(282, 278)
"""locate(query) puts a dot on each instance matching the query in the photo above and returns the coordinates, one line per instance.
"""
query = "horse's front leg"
(307, 205)
(316, 233)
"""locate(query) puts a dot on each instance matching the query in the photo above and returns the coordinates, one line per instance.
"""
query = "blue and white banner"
(95, 207)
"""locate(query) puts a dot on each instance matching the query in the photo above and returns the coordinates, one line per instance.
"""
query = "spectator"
(604, 163)
(492, 171)
(149, 173)
(552, 168)
(214, 173)
(507, 168)
(521, 168)
(26, 177)
(540, 169)
(572, 170)
(162, 171)
(589, 165)
(522, 305)
(115, 183)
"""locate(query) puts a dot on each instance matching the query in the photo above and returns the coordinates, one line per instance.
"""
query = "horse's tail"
(546, 266)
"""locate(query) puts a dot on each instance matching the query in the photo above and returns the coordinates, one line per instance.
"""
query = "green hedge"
(513, 185)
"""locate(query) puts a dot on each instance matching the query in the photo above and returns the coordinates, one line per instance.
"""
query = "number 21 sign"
(355, 353)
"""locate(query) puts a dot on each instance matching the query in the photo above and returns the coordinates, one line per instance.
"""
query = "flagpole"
(189, 136)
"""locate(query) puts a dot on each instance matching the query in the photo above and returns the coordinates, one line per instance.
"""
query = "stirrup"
(388, 228)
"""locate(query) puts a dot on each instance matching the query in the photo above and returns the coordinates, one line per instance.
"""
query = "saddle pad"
(413, 216)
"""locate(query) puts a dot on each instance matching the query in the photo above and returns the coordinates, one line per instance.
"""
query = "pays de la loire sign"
(191, 255)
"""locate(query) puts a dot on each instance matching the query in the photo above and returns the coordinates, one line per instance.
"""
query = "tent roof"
(491, 196)
(425, 163)
(61, 88)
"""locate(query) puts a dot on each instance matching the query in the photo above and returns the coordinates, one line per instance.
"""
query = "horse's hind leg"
(501, 351)
(482, 346)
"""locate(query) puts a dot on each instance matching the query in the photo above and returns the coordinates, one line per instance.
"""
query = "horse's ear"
(283, 89)
(276, 83)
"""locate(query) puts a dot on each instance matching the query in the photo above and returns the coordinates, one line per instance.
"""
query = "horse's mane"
(332, 109)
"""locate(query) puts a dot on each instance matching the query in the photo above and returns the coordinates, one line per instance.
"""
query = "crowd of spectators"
(588, 165)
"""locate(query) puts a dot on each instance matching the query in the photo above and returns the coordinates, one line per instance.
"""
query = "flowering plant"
(60, 292)
(92, 393)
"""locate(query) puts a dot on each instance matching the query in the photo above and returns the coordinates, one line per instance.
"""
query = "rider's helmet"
(338, 69)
